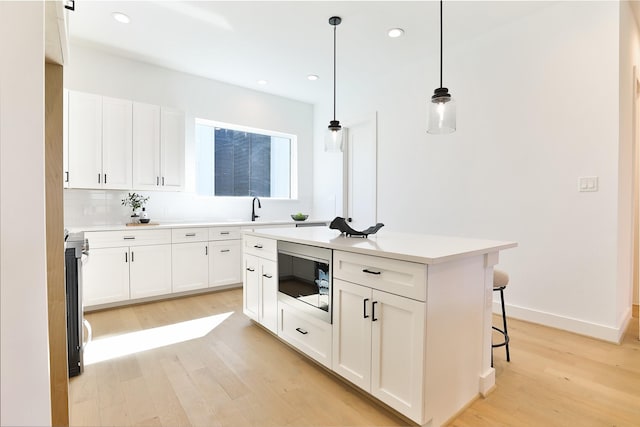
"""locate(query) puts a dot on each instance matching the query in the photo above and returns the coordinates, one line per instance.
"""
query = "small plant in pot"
(136, 202)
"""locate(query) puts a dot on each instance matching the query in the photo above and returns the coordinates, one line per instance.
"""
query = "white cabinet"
(189, 259)
(150, 271)
(85, 140)
(146, 146)
(225, 263)
(172, 149)
(308, 334)
(99, 140)
(260, 290)
(225, 256)
(125, 265)
(105, 276)
(158, 148)
(378, 344)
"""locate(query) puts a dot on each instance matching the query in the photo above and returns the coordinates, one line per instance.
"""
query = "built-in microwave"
(304, 278)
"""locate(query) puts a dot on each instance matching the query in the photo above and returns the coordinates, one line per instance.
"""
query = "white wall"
(538, 107)
(24, 372)
(91, 70)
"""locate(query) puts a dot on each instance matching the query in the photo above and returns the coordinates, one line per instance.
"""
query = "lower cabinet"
(122, 273)
(189, 266)
(260, 291)
(150, 271)
(225, 263)
(308, 334)
(105, 276)
(378, 344)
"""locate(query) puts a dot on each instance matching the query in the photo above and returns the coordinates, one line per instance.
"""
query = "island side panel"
(454, 336)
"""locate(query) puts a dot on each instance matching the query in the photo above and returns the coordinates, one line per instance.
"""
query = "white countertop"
(154, 225)
(422, 248)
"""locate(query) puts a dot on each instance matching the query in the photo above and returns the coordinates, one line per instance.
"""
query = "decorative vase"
(135, 219)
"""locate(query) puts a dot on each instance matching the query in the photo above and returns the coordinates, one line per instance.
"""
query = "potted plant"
(135, 201)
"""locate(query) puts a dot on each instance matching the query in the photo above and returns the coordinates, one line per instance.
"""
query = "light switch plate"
(588, 183)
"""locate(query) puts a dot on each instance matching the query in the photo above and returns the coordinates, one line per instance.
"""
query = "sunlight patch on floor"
(111, 347)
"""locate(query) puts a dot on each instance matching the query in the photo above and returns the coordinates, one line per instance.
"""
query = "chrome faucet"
(253, 208)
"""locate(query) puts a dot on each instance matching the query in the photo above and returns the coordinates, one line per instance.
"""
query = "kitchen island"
(410, 314)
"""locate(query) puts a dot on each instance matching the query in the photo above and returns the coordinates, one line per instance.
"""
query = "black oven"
(304, 278)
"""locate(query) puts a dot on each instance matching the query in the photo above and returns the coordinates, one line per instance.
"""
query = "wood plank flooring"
(240, 375)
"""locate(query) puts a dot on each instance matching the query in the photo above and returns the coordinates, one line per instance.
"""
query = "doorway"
(360, 158)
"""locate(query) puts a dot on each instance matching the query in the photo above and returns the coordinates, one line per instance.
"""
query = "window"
(239, 161)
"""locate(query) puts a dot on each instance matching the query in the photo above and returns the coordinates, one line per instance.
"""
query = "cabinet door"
(85, 140)
(352, 332)
(225, 263)
(65, 138)
(105, 276)
(150, 270)
(146, 146)
(189, 266)
(397, 352)
(117, 119)
(269, 295)
(172, 149)
(251, 288)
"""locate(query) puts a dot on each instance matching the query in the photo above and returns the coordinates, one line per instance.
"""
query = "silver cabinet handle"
(190, 235)
(129, 237)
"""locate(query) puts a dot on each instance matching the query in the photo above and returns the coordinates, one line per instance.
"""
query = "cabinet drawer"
(186, 235)
(308, 334)
(260, 246)
(407, 279)
(224, 233)
(114, 239)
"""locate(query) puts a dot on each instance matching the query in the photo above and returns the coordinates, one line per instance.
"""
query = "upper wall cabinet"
(158, 148)
(120, 144)
(100, 141)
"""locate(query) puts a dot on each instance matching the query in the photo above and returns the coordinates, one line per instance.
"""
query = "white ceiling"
(240, 42)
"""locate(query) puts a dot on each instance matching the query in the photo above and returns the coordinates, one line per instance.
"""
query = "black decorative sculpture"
(340, 223)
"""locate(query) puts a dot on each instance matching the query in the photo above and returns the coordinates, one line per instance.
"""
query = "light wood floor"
(239, 375)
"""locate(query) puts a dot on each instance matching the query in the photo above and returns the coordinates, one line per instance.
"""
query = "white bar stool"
(500, 282)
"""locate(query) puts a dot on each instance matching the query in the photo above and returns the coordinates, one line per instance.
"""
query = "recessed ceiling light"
(121, 17)
(312, 77)
(395, 32)
(262, 82)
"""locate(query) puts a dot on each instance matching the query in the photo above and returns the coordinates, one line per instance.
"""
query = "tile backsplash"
(104, 207)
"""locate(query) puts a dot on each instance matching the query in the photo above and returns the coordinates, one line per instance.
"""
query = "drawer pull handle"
(364, 308)
(132, 260)
(302, 331)
(267, 276)
(190, 235)
(206, 250)
(224, 233)
(377, 273)
(129, 237)
(257, 246)
(373, 311)
(225, 250)
(250, 269)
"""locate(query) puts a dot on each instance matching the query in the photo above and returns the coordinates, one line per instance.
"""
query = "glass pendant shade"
(442, 113)
(333, 137)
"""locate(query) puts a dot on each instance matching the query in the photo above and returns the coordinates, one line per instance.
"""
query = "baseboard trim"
(582, 327)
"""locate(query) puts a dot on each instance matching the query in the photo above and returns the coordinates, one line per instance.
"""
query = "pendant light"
(333, 138)
(442, 108)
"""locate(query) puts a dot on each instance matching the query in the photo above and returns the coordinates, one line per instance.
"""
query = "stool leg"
(504, 324)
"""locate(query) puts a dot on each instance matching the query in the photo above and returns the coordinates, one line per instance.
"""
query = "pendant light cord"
(440, 44)
(334, 72)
